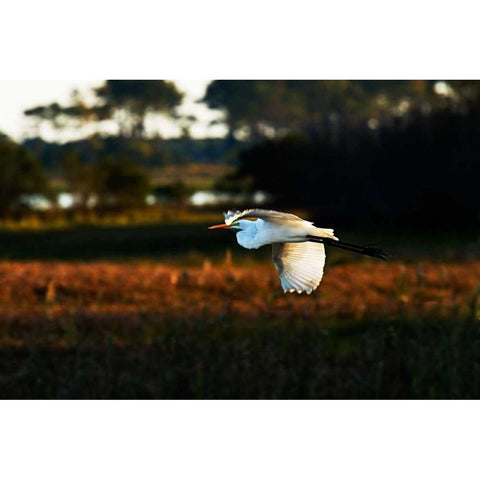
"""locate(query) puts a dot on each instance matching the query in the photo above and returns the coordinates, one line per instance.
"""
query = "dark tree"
(127, 102)
(422, 172)
(79, 177)
(120, 183)
(319, 108)
(20, 174)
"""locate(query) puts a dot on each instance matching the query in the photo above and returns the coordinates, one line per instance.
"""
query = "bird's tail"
(369, 250)
(324, 232)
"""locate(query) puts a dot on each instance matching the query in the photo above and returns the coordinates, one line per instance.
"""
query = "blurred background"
(112, 286)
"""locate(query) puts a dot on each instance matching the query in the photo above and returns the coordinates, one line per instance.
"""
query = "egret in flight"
(298, 246)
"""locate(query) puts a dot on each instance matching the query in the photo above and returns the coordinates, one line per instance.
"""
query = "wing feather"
(234, 215)
(299, 265)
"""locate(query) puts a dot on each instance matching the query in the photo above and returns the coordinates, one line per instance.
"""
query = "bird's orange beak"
(215, 227)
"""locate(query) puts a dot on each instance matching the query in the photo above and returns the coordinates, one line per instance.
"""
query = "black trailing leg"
(370, 250)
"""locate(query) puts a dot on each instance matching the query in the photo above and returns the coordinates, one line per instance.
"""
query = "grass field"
(162, 311)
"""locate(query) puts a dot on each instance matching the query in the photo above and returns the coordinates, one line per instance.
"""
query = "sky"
(17, 96)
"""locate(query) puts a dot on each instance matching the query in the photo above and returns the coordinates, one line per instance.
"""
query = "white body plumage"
(256, 234)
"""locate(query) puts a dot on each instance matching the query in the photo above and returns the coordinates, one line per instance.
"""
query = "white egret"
(298, 246)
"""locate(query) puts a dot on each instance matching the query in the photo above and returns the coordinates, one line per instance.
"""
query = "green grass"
(231, 359)
(112, 243)
(191, 242)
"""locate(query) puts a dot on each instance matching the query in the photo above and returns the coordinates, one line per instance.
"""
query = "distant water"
(201, 198)
(204, 198)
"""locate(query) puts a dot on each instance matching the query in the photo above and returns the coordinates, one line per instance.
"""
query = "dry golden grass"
(35, 290)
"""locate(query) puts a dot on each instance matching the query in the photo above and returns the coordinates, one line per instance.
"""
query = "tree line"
(400, 152)
(110, 181)
(396, 154)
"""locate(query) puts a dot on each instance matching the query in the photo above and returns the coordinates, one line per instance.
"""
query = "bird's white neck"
(247, 235)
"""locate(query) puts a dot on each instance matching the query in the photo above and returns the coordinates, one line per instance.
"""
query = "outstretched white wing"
(299, 265)
(234, 215)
